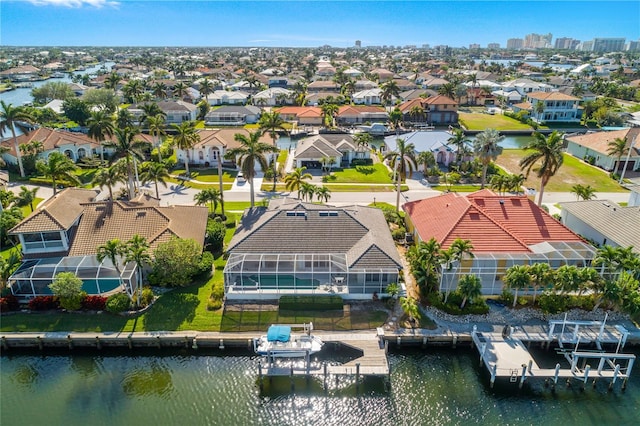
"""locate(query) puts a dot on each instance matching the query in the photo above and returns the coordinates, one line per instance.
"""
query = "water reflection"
(154, 379)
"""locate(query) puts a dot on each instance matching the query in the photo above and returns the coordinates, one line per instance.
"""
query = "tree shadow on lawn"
(366, 170)
(172, 309)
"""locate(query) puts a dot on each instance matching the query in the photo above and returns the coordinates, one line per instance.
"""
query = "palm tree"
(156, 173)
(26, 197)
(137, 250)
(329, 112)
(518, 277)
(458, 139)
(101, 127)
(404, 159)
(363, 139)
(586, 192)
(549, 151)
(541, 277)
(448, 90)
(323, 193)
(127, 147)
(470, 287)
(10, 118)
(111, 81)
(294, 179)
(209, 195)
(416, 112)
(307, 190)
(124, 119)
(179, 89)
(159, 90)
(112, 250)
(250, 152)
(427, 160)
(516, 182)
(109, 177)
(389, 91)
(132, 90)
(567, 278)
(149, 109)
(486, 147)
(539, 108)
(58, 167)
(410, 308)
(156, 129)
(185, 138)
(272, 122)
(617, 147)
(499, 182)
(206, 87)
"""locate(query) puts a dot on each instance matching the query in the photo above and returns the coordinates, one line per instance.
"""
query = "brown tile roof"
(599, 141)
(440, 100)
(552, 96)
(51, 139)
(408, 105)
(355, 110)
(493, 223)
(301, 111)
(105, 221)
(224, 137)
(58, 213)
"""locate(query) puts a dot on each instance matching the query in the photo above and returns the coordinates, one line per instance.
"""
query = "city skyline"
(307, 24)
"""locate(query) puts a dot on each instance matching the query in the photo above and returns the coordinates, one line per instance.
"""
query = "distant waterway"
(22, 96)
(427, 387)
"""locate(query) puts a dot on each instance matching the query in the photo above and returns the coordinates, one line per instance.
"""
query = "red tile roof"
(493, 223)
(440, 100)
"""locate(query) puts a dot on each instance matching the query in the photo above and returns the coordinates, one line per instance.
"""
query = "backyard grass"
(185, 184)
(479, 121)
(208, 175)
(572, 172)
(364, 188)
(456, 188)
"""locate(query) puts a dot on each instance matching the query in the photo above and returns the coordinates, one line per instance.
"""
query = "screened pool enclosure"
(274, 274)
(33, 277)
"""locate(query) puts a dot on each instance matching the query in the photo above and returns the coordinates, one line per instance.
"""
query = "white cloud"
(76, 3)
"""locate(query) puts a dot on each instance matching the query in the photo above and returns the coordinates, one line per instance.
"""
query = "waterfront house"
(175, 111)
(347, 251)
(302, 115)
(594, 147)
(556, 107)
(225, 97)
(63, 234)
(233, 115)
(350, 115)
(323, 86)
(340, 147)
(603, 222)
(21, 73)
(504, 231)
(367, 97)
(432, 141)
(441, 110)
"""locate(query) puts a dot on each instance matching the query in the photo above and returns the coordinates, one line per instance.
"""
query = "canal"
(427, 386)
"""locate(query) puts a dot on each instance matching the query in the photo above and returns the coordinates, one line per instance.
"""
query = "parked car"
(240, 178)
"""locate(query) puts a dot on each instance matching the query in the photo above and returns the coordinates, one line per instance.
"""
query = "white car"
(240, 178)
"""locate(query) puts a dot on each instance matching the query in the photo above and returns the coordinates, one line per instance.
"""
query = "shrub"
(216, 231)
(44, 303)
(361, 162)
(399, 233)
(206, 264)
(230, 221)
(118, 302)
(147, 297)
(506, 297)
(214, 304)
(9, 303)
(553, 303)
(175, 262)
(310, 303)
(94, 303)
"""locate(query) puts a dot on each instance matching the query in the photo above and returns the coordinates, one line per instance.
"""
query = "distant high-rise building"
(515, 43)
(586, 46)
(565, 43)
(537, 41)
(474, 46)
(633, 46)
(608, 44)
(358, 43)
(493, 46)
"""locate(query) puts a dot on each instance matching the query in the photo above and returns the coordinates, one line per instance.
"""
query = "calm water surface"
(431, 386)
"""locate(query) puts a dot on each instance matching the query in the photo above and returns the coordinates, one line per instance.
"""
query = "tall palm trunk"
(253, 200)
(220, 181)
(17, 147)
(186, 162)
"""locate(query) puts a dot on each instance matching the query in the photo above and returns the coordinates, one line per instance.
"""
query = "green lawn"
(225, 186)
(376, 173)
(457, 188)
(208, 175)
(479, 121)
(572, 172)
(364, 188)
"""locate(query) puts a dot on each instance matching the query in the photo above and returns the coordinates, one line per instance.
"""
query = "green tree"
(517, 277)
(59, 168)
(175, 262)
(410, 308)
(8, 219)
(541, 277)
(209, 195)
(363, 140)
(110, 176)
(390, 90)
(272, 122)
(26, 197)
(459, 140)
(68, 287)
(617, 148)
(76, 110)
(329, 112)
(586, 192)
(416, 113)
(547, 151)
(130, 149)
(50, 91)
(101, 127)
(427, 160)
(112, 81)
(156, 129)
(470, 287)
(136, 250)
(8, 265)
(486, 148)
(10, 118)
(124, 119)
(567, 279)
(307, 191)
(156, 173)
(185, 138)
(294, 179)
(323, 193)
(250, 152)
(404, 160)
(395, 118)
(104, 99)
(539, 109)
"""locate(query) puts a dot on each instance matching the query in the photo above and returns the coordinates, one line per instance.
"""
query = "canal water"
(427, 387)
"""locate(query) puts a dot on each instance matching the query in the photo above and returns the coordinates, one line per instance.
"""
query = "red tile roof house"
(63, 235)
(504, 231)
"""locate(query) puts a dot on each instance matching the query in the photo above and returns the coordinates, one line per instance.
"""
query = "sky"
(308, 23)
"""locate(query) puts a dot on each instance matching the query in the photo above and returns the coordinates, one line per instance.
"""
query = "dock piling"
(5, 346)
(130, 342)
(494, 373)
(357, 375)
(98, 343)
(221, 344)
(616, 372)
(69, 341)
(40, 345)
(523, 375)
(586, 376)
(158, 342)
(324, 380)
(194, 344)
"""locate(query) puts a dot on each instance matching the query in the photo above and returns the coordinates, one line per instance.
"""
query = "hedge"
(310, 303)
